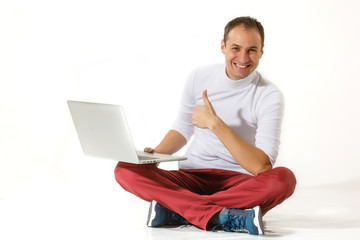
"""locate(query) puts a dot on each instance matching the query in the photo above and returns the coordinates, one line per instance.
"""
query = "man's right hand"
(149, 150)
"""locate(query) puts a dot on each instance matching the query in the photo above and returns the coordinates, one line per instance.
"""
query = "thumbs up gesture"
(204, 116)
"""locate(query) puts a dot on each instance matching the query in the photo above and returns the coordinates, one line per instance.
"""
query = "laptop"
(103, 133)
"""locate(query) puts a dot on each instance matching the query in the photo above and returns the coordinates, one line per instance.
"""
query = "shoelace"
(233, 223)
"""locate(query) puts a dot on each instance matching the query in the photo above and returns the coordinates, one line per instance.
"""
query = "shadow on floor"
(321, 207)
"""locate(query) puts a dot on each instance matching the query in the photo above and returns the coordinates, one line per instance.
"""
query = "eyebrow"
(252, 47)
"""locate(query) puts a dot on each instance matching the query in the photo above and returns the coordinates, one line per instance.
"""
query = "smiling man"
(234, 116)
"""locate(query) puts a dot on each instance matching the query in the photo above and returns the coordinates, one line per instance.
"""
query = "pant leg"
(266, 190)
(175, 190)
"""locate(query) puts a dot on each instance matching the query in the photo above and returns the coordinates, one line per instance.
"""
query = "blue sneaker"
(161, 216)
(242, 220)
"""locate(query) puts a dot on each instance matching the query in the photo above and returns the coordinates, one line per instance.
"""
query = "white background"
(139, 54)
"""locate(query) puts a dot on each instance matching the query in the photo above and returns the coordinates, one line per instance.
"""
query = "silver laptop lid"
(102, 130)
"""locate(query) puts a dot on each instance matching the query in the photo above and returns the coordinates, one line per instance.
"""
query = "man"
(234, 115)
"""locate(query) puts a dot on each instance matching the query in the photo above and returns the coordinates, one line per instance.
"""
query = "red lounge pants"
(197, 194)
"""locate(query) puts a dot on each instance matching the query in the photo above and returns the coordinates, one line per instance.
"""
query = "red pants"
(198, 194)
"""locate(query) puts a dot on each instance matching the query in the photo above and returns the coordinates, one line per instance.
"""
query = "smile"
(242, 66)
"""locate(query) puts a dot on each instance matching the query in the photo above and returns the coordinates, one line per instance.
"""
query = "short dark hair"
(247, 22)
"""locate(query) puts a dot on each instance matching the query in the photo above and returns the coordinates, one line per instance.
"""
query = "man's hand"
(149, 150)
(204, 116)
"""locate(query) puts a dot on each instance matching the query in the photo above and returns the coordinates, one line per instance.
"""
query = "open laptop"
(103, 132)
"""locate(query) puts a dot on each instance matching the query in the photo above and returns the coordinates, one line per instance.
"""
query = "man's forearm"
(251, 158)
(171, 143)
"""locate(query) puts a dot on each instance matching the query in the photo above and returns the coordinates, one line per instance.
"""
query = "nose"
(243, 56)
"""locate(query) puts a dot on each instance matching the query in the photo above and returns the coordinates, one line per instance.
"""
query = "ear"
(223, 46)
(262, 52)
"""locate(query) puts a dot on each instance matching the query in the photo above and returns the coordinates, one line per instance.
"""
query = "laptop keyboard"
(146, 158)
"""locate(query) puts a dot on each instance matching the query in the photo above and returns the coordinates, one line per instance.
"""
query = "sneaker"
(161, 216)
(242, 220)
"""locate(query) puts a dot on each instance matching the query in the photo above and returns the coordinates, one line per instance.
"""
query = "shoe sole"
(152, 213)
(259, 223)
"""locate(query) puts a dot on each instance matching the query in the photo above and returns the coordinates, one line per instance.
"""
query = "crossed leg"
(198, 194)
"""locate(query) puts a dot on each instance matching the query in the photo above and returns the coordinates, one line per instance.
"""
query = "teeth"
(240, 66)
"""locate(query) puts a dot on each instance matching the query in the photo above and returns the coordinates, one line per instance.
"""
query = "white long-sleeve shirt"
(252, 107)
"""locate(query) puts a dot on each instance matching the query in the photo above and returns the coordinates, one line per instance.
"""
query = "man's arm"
(171, 143)
(251, 158)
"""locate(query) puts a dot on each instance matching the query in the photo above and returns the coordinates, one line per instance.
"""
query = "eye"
(235, 48)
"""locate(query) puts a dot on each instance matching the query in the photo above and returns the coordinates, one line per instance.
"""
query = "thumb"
(206, 99)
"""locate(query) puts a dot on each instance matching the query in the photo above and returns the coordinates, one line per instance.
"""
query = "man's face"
(242, 50)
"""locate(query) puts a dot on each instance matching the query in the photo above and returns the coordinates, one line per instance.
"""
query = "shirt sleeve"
(183, 122)
(270, 114)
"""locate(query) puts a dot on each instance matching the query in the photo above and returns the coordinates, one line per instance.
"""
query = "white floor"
(93, 206)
